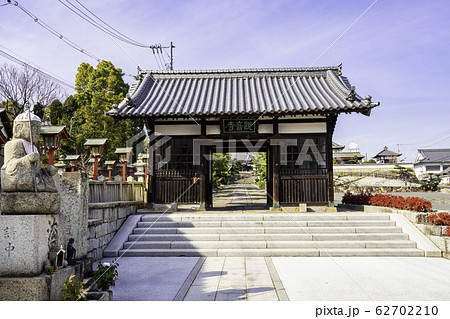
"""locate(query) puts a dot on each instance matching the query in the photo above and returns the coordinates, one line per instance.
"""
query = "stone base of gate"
(301, 208)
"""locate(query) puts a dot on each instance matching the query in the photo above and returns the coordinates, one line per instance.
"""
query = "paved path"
(283, 278)
(240, 195)
(233, 278)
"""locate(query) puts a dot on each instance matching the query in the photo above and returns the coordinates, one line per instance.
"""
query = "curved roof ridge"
(247, 70)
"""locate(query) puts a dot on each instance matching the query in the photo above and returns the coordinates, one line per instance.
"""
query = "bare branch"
(22, 86)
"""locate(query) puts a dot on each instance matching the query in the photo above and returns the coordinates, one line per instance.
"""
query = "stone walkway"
(233, 279)
(239, 196)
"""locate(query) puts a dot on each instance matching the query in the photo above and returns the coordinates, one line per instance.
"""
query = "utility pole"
(158, 49)
(171, 56)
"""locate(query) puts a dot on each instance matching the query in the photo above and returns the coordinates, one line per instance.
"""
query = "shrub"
(73, 289)
(440, 219)
(357, 199)
(431, 183)
(409, 203)
(387, 200)
(447, 230)
(106, 275)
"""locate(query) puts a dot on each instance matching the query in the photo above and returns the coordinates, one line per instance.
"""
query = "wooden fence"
(304, 189)
(100, 192)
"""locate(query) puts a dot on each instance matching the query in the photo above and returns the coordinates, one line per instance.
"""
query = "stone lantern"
(72, 161)
(52, 136)
(140, 169)
(124, 155)
(109, 167)
(97, 146)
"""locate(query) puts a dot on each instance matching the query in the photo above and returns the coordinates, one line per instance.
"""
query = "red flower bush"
(447, 230)
(409, 203)
(357, 199)
(440, 219)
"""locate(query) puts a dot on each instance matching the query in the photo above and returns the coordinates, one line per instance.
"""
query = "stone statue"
(71, 252)
(22, 172)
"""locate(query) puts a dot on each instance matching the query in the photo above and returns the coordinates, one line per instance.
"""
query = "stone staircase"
(267, 234)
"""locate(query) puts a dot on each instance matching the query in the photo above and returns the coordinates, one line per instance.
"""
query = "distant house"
(352, 156)
(387, 156)
(347, 157)
(433, 161)
(337, 147)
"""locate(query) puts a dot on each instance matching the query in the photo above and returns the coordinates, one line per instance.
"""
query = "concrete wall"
(104, 221)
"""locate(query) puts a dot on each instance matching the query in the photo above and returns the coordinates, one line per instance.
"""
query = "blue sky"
(398, 52)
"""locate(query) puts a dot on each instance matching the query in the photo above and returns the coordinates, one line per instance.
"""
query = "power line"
(79, 12)
(54, 32)
(136, 43)
(25, 64)
(89, 16)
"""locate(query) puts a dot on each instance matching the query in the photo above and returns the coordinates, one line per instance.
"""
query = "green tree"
(260, 168)
(221, 169)
(404, 173)
(84, 114)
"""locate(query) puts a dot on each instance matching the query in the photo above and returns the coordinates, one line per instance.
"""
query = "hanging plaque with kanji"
(238, 125)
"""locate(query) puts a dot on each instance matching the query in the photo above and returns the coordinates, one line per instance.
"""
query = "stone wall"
(104, 221)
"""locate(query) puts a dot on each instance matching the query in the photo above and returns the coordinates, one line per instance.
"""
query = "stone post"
(74, 206)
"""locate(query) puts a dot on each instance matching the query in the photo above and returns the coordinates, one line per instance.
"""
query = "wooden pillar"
(151, 180)
(204, 169)
(109, 175)
(275, 168)
(51, 156)
(124, 171)
(269, 181)
(276, 176)
(95, 168)
(203, 176)
(331, 123)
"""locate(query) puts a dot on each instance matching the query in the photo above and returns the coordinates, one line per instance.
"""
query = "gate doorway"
(238, 181)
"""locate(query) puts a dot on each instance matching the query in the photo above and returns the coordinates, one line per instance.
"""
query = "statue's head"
(21, 128)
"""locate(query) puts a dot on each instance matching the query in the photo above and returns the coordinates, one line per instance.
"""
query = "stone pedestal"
(25, 241)
(74, 190)
(29, 203)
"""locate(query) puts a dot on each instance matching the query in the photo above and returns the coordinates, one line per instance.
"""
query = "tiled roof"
(435, 155)
(95, 141)
(248, 91)
(53, 129)
(387, 152)
(122, 150)
(347, 155)
(337, 146)
(72, 157)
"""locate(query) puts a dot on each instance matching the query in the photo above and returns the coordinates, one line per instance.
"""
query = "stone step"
(264, 217)
(266, 244)
(338, 252)
(266, 237)
(291, 223)
(267, 230)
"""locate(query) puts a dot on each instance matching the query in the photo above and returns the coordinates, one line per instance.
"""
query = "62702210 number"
(406, 310)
